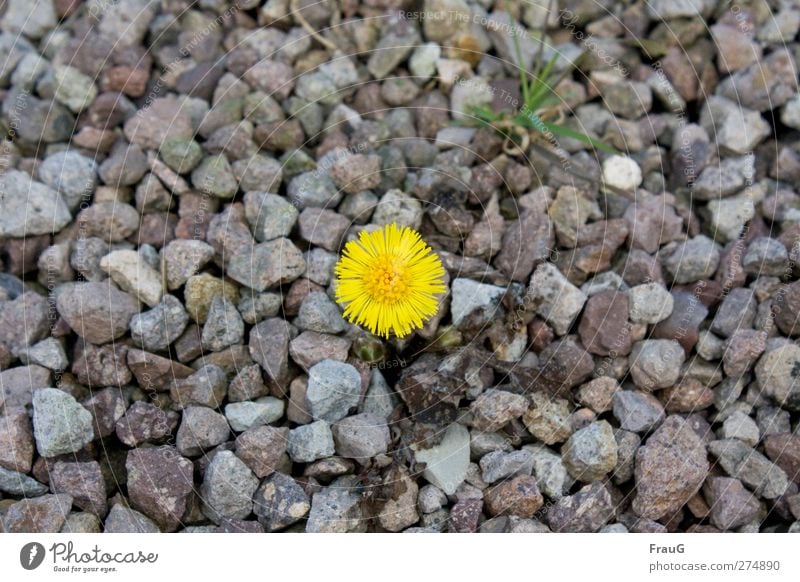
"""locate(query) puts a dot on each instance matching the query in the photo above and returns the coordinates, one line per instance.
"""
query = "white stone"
(446, 464)
(622, 172)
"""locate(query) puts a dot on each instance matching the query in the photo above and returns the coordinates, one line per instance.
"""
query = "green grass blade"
(563, 131)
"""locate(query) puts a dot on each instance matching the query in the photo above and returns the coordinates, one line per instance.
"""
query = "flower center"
(388, 281)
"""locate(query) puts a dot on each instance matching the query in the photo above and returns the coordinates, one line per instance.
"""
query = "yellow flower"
(388, 280)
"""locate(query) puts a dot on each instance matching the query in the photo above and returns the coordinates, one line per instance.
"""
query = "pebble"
(60, 424)
(160, 484)
(740, 426)
(493, 409)
(598, 394)
(310, 442)
(558, 301)
(224, 326)
(446, 464)
(776, 374)
(16, 440)
(637, 411)
(214, 176)
(320, 314)
(622, 172)
(591, 452)
(396, 207)
(45, 514)
(130, 271)
(228, 488)
(270, 216)
(693, 260)
(267, 265)
(73, 89)
(157, 328)
(519, 496)
(145, 423)
(550, 472)
(336, 508)
(738, 460)
(649, 303)
(604, 328)
(670, 468)
(243, 416)
(548, 419)
(731, 505)
(480, 302)
(737, 311)
(742, 350)
(83, 482)
(201, 430)
(29, 208)
(123, 519)
(182, 259)
(262, 448)
(499, 465)
(19, 484)
(361, 437)
(72, 175)
(656, 363)
(333, 389)
(279, 502)
(313, 189)
(206, 387)
(587, 511)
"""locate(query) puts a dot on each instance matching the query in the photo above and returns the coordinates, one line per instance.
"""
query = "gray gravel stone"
(468, 297)
(318, 313)
(361, 437)
(157, 328)
(29, 208)
(738, 460)
(133, 274)
(123, 519)
(649, 303)
(591, 452)
(737, 311)
(558, 301)
(269, 215)
(499, 465)
(224, 326)
(201, 430)
(280, 501)
(446, 463)
(776, 373)
(333, 389)
(48, 353)
(637, 411)
(336, 508)
(267, 264)
(695, 259)
(656, 364)
(243, 416)
(228, 488)
(20, 484)
(72, 175)
(60, 424)
(310, 442)
(180, 259)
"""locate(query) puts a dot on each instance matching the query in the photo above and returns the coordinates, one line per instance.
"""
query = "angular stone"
(60, 424)
(670, 468)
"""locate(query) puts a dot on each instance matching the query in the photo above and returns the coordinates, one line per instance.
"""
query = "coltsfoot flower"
(389, 281)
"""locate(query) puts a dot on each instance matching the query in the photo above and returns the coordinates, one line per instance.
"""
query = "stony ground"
(616, 351)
